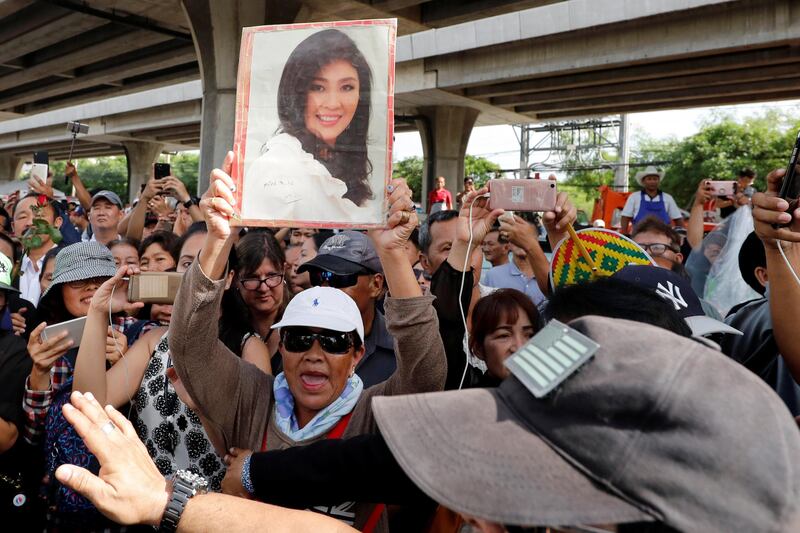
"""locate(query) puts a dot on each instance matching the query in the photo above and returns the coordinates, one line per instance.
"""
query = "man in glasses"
(348, 261)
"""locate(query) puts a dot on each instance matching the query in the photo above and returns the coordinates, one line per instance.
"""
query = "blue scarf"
(324, 420)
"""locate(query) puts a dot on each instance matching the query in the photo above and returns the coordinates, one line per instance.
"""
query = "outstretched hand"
(770, 209)
(112, 295)
(564, 214)
(129, 489)
(475, 208)
(218, 201)
(401, 221)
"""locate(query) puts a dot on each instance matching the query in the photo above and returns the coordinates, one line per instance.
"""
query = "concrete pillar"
(445, 132)
(217, 29)
(10, 167)
(141, 156)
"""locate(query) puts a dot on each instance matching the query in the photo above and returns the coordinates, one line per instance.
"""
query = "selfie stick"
(74, 128)
(585, 253)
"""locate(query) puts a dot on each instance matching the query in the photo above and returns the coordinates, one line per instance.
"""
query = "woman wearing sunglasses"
(318, 395)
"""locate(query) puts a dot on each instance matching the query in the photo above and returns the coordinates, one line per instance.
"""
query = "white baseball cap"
(323, 307)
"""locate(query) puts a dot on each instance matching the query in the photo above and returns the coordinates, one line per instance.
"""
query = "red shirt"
(440, 195)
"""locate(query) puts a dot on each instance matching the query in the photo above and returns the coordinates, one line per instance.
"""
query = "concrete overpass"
(531, 61)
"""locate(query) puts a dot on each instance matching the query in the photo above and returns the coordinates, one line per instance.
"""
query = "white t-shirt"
(631, 208)
(286, 183)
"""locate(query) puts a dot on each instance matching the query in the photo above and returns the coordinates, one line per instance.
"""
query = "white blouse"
(287, 183)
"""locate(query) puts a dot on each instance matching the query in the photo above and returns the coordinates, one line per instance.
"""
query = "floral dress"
(173, 434)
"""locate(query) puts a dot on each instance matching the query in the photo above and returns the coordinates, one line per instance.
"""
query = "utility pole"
(621, 173)
(524, 144)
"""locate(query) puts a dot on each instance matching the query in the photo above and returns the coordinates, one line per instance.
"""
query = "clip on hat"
(550, 357)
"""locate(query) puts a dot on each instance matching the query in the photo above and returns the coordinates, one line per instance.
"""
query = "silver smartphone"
(73, 327)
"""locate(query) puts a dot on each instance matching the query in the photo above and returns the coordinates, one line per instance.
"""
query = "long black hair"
(347, 160)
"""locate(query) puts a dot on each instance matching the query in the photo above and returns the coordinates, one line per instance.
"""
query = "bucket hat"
(655, 427)
(83, 260)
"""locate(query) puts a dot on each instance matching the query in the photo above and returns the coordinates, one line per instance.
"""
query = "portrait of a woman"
(316, 166)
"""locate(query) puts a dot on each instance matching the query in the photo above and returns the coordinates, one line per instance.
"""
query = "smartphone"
(523, 195)
(161, 170)
(154, 287)
(723, 188)
(74, 329)
(39, 172)
(43, 158)
(790, 189)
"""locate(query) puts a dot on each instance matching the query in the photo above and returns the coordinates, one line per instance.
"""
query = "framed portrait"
(314, 124)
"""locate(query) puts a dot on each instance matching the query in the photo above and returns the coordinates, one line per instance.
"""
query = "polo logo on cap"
(3, 268)
(672, 293)
(315, 303)
(337, 241)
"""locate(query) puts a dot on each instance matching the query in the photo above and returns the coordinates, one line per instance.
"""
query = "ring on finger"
(404, 217)
(108, 427)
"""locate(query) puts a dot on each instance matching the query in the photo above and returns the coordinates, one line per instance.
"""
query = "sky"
(500, 145)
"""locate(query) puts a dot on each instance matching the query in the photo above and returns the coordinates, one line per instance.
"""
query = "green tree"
(723, 146)
(410, 169)
(481, 169)
(186, 167)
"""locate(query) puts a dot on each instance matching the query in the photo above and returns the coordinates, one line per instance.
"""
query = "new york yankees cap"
(676, 433)
(678, 291)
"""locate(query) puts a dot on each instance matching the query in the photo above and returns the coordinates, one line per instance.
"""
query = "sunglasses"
(420, 272)
(83, 283)
(337, 281)
(302, 339)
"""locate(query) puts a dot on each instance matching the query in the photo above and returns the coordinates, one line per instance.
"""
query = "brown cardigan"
(235, 397)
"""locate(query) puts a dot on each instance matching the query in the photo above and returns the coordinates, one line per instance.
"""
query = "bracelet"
(247, 483)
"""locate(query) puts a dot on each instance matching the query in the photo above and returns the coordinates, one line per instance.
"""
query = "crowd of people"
(326, 380)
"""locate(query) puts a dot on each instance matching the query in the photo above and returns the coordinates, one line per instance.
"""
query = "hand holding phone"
(154, 287)
(723, 189)
(161, 170)
(523, 195)
(790, 188)
(72, 328)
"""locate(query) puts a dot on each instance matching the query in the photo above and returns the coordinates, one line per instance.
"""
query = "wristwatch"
(188, 203)
(185, 485)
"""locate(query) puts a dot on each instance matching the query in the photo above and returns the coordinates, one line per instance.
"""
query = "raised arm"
(524, 235)
(556, 221)
(784, 288)
(135, 227)
(83, 195)
(410, 317)
(219, 382)
(695, 229)
(90, 366)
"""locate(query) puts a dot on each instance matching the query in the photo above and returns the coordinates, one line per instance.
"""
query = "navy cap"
(348, 252)
(678, 291)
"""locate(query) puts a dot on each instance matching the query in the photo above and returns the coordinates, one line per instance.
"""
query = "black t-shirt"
(20, 466)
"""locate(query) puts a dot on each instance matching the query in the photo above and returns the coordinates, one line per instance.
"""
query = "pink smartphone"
(723, 188)
(523, 195)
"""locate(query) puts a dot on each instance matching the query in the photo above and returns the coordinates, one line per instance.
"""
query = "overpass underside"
(533, 61)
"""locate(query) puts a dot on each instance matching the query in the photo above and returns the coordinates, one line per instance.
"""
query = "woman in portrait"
(316, 167)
